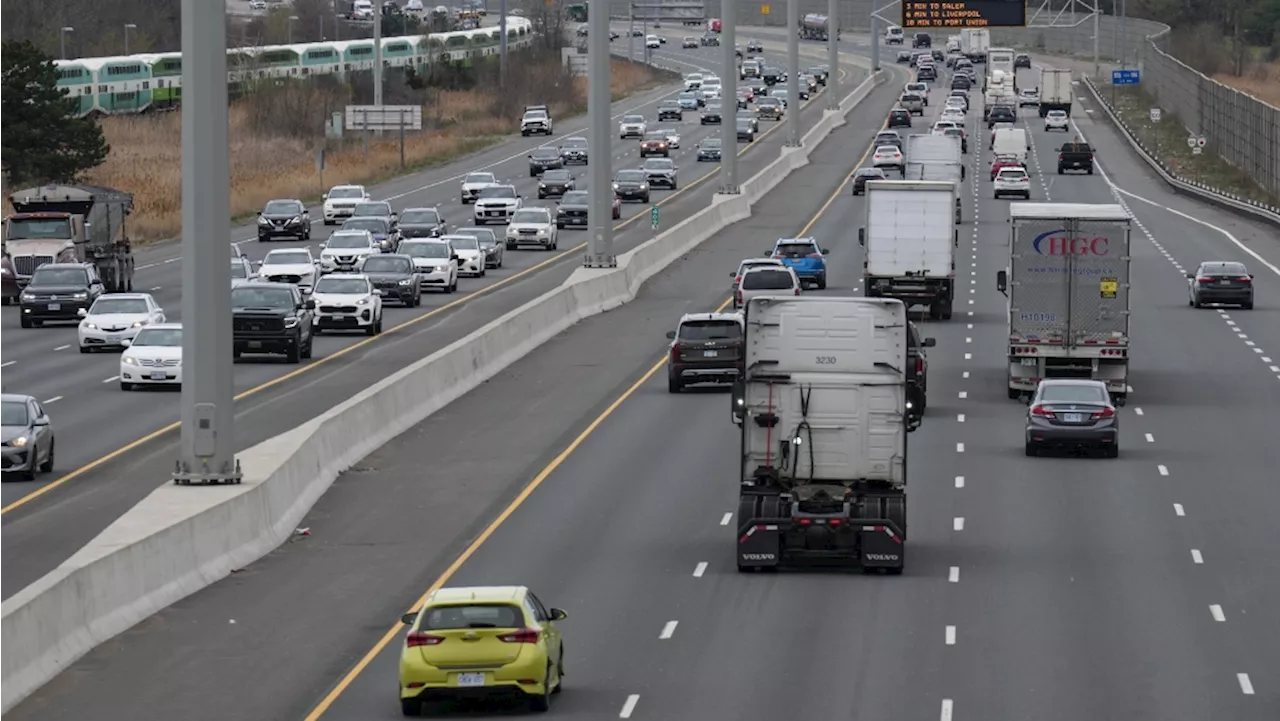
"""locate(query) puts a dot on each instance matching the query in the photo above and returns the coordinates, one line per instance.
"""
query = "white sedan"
(471, 257)
(116, 318)
(347, 301)
(294, 265)
(955, 115)
(153, 357)
(888, 156)
(1012, 181)
(672, 136)
(1057, 120)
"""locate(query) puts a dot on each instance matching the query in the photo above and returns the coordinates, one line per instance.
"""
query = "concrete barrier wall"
(181, 539)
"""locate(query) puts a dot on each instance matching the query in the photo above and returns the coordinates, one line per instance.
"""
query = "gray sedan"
(27, 436)
(1072, 415)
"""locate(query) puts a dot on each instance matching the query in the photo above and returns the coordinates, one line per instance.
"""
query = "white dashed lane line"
(951, 635)
(1246, 686)
(6, 364)
(1196, 557)
(1216, 611)
(948, 708)
(1179, 510)
(668, 630)
(62, 347)
(724, 521)
(959, 448)
(959, 481)
(629, 706)
(957, 524)
(1163, 469)
(954, 574)
(112, 379)
(700, 569)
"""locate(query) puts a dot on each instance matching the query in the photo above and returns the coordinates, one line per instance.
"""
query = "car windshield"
(34, 228)
(545, 154)
(633, 119)
(767, 102)
(420, 217)
(688, 95)
(342, 286)
(425, 250)
(669, 103)
(499, 191)
(953, 132)
(1224, 269)
(256, 296)
(107, 305)
(710, 330)
(1012, 174)
(887, 150)
(575, 143)
(443, 618)
(381, 264)
(630, 176)
(286, 257)
(794, 250)
(871, 173)
(473, 178)
(464, 242)
(556, 176)
(346, 193)
(161, 337)
(535, 115)
(1057, 114)
(658, 164)
(655, 135)
(348, 240)
(60, 276)
(1073, 393)
(373, 225)
(767, 280)
(378, 209)
(575, 197)
(529, 215)
(711, 144)
(14, 413)
(282, 207)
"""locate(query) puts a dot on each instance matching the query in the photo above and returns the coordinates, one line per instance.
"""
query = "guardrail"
(176, 542)
(1261, 211)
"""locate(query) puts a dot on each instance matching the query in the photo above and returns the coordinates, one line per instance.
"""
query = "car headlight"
(366, 301)
(263, 221)
(290, 322)
(615, 186)
(406, 281)
(542, 186)
(644, 186)
(79, 296)
(139, 324)
(89, 326)
(18, 442)
(129, 360)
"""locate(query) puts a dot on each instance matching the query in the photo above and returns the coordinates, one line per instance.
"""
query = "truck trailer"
(71, 224)
(935, 157)
(974, 43)
(910, 237)
(1055, 90)
(1067, 286)
(824, 408)
(816, 27)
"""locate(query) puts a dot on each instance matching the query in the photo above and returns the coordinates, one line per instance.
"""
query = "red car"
(1005, 161)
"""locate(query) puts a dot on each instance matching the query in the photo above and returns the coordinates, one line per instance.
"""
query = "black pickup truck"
(1075, 156)
(271, 318)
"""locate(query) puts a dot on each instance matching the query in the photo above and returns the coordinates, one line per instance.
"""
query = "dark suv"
(705, 348)
(544, 159)
(271, 318)
(918, 363)
(58, 292)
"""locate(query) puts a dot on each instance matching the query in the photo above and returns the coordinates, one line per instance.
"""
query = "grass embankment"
(273, 154)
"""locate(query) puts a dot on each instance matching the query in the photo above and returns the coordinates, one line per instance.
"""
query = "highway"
(1055, 589)
(106, 459)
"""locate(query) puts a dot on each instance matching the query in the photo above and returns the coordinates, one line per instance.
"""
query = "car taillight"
(422, 639)
(1041, 412)
(797, 290)
(814, 255)
(1245, 279)
(675, 352)
(738, 297)
(524, 635)
(1204, 280)
(1104, 413)
(919, 366)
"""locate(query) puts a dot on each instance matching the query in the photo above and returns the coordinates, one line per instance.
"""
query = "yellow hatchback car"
(481, 642)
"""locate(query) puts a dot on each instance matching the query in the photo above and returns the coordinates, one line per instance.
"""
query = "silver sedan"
(1072, 415)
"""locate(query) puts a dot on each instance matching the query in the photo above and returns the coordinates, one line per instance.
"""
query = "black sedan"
(709, 150)
(422, 223)
(632, 185)
(860, 178)
(1072, 415)
(555, 183)
(574, 150)
(1226, 283)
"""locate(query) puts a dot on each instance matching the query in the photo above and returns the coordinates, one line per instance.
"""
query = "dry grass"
(146, 151)
(1261, 80)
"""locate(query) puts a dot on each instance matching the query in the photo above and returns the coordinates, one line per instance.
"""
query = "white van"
(765, 280)
(1011, 141)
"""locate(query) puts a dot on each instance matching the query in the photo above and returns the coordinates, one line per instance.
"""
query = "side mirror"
(1002, 282)
(257, 264)
(126, 342)
(41, 421)
(82, 313)
(671, 334)
(862, 236)
(409, 618)
(454, 257)
(1193, 275)
(378, 292)
(324, 197)
(738, 397)
(824, 251)
(558, 614)
(309, 304)
(928, 342)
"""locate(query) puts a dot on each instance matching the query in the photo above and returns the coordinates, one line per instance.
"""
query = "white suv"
(344, 250)
(1057, 120)
(532, 226)
(1012, 181)
(496, 204)
(347, 301)
(341, 200)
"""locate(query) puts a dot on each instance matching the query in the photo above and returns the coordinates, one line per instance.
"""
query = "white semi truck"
(1055, 90)
(824, 407)
(1067, 286)
(910, 237)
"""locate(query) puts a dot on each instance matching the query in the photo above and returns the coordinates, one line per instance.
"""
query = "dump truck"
(816, 27)
(1055, 90)
(824, 407)
(910, 240)
(1067, 286)
(71, 224)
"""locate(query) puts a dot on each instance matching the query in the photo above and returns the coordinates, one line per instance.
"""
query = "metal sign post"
(833, 55)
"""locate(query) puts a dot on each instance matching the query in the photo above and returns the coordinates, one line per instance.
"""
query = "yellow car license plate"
(471, 679)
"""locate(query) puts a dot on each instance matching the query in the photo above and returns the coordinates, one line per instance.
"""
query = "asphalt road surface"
(1054, 589)
(114, 447)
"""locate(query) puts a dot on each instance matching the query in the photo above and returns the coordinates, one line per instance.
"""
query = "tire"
(673, 384)
(453, 288)
(511, 246)
(84, 349)
(410, 707)
(306, 234)
(1014, 393)
(293, 355)
(1061, 171)
(1247, 306)
(1195, 303)
(305, 352)
(1113, 451)
(559, 226)
(24, 321)
(126, 386)
(822, 282)
(47, 466)
(1031, 450)
(484, 270)
(542, 703)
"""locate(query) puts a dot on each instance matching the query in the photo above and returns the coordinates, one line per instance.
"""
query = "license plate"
(1029, 362)
(159, 375)
(1221, 282)
(1073, 417)
(55, 306)
(494, 213)
(709, 354)
(471, 679)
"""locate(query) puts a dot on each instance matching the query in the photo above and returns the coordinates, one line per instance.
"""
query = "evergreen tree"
(41, 139)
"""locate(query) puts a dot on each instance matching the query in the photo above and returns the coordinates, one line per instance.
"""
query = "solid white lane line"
(54, 399)
(668, 630)
(964, 394)
(700, 569)
(959, 448)
(959, 481)
(947, 709)
(951, 635)
(1196, 557)
(1218, 615)
(954, 575)
(1151, 438)
(970, 326)
(1164, 470)
(958, 523)
(959, 418)
(112, 379)
(155, 288)
(62, 347)
(1178, 509)
(725, 520)
(6, 364)
(1138, 411)
(1246, 686)
(629, 706)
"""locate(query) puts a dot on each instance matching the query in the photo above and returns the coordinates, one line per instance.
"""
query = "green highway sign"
(653, 217)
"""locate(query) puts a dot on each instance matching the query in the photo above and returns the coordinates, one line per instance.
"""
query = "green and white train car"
(135, 83)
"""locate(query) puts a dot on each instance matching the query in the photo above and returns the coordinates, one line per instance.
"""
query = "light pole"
(127, 28)
(62, 41)
(292, 19)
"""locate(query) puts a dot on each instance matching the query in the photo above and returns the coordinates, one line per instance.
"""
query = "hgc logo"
(1058, 243)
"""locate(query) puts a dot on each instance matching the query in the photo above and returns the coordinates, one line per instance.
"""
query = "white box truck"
(1055, 90)
(974, 43)
(1067, 286)
(938, 158)
(824, 407)
(910, 240)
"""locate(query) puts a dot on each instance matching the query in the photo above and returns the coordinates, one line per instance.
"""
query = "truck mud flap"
(882, 547)
(767, 535)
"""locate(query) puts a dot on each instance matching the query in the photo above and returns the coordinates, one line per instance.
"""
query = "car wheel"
(84, 349)
(1031, 450)
(305, 351)
(1195, 303)
(293, 355)
(674, 385)
(542, 702)
(47, 465)
(1113, 450)
(126, 386)
(25, 322)
(410, 707)
(822, 282)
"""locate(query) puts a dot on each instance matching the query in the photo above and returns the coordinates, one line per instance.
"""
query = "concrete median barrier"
(182, 539)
